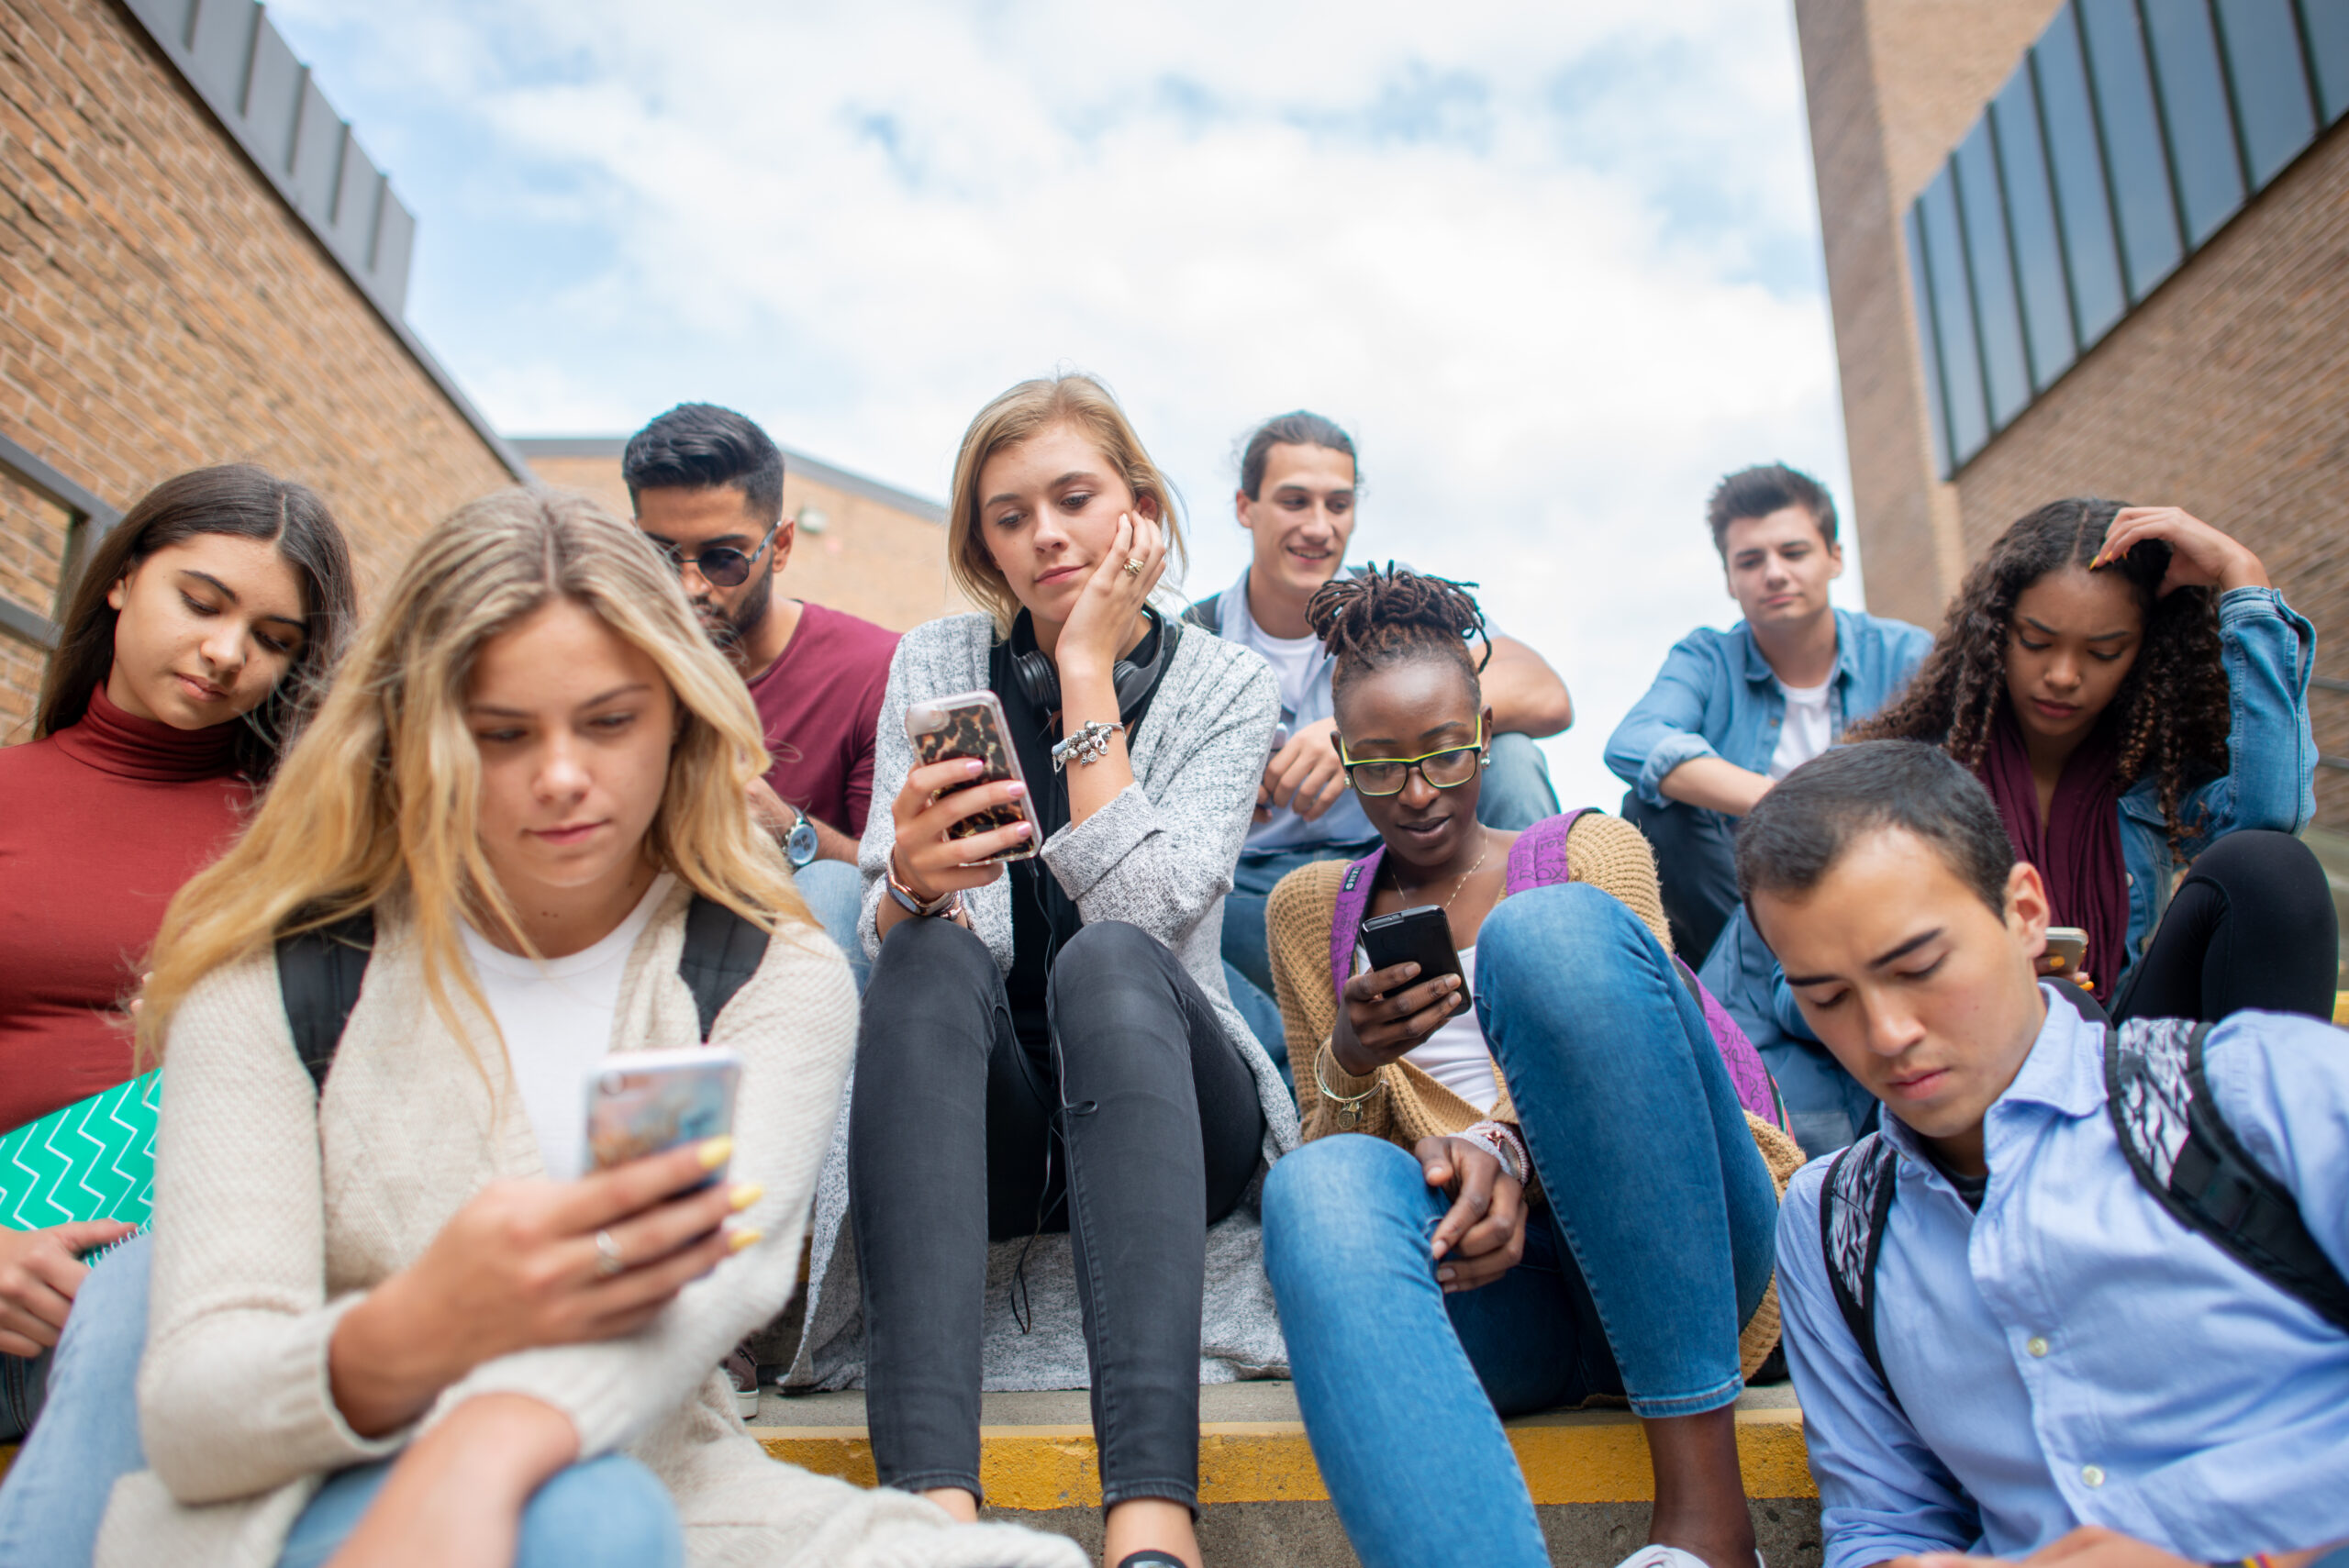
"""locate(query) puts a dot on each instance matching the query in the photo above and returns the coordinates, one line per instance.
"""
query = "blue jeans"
(608, 1512)
(87, 1436)
(835, 895)
(1637, 1134)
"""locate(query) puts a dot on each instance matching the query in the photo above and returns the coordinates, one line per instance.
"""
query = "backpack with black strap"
(319, 973)
(2178, 1144)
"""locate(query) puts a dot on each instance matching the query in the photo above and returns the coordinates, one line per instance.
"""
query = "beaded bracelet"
(1089, 745)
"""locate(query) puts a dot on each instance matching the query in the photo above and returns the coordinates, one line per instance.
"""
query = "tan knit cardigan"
(1405, 1103)
(277, 1208)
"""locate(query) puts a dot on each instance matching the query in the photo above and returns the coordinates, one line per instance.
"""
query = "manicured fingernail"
(1022, 830)
(973, 765)
(1016, 789)
(746, 1194)
(738, 1240)
(715, 1152)
(1444, 1275)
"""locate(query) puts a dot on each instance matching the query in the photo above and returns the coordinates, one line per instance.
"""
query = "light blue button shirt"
(2072, 1354)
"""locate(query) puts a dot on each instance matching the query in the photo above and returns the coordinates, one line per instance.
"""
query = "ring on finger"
(608, 1261)
(1134, 563)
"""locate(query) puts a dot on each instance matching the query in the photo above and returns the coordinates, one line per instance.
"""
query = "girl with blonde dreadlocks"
(1569, 1190)
(2134, 693)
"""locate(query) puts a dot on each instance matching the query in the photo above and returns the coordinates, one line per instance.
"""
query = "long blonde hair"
(1027, 409)
(380, 798)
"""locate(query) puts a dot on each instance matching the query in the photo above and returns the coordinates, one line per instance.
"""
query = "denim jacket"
(1716, 697)
(2268, 651)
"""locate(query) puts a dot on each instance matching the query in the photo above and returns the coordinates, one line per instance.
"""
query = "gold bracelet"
(1348, 1110)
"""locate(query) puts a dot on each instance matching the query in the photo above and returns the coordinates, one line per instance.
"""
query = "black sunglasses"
(721, 565)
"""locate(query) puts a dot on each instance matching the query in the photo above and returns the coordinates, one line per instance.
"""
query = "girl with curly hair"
(2133, 693)
(1568, 1188)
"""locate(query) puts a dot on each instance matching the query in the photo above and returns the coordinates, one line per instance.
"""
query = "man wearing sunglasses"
(707, 486)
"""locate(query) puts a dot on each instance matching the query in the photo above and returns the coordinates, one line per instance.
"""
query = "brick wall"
(871, 559)
(2221, 393)
(2224, 394)
(1891, 86)
(161, 309)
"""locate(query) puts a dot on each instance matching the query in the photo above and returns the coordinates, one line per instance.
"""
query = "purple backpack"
(1538, 859)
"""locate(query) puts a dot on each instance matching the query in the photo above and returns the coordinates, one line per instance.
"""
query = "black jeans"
(2251, 925)
(953, 1130)
(1696, 864)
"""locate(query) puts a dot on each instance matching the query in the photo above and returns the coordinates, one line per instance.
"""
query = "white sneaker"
(1655, 1556)
(742, 1372)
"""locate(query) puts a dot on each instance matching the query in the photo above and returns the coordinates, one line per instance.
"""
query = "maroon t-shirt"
(820, 702)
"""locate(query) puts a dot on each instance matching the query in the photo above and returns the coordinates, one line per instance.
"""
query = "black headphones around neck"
(1039, 679)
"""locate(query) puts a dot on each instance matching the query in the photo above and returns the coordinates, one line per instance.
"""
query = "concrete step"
(1262, 1498)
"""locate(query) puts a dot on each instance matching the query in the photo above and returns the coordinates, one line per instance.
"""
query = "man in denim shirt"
(2061, 1356)
(1735, 711)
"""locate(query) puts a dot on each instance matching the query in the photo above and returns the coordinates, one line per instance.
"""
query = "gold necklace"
(1455, 886)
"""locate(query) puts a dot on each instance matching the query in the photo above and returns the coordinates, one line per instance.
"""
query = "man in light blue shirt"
(2058, 1348)
(1732, 712)
(1298, 488)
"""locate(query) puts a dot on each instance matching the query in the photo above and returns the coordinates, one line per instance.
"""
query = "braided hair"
(2171, 712)
(1393, 615)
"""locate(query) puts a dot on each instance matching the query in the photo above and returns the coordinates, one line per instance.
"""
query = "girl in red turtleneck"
(191, 652)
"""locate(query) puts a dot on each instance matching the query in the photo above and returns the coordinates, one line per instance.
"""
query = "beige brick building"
(2092, 247)
(859, 546)
(199, 264)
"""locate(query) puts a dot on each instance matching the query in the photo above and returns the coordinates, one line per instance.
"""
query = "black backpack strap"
(1853, 1205)
(318, 975)
(722, 952)
(1206, 614)
(2186, 1155)
(2082, 1002)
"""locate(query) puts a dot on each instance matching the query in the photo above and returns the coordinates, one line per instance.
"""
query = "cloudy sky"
(1556, 265)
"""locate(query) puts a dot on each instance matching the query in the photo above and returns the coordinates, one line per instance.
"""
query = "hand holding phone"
(987, 804)
(2067, 948)
(1414, 984)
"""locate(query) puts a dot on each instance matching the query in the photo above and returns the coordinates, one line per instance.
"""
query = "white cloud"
(1555, 265)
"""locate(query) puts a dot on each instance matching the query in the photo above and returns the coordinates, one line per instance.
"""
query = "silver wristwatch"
(800, 845)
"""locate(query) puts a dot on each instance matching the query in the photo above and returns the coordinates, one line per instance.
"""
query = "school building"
(200, 264)
(2100, 248)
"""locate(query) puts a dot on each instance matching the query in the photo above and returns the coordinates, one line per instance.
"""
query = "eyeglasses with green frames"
(1447, 769)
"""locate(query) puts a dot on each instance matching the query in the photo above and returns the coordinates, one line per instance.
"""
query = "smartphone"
(643, 1102)
(972, 725)
(1421, 936)
(2066, 947)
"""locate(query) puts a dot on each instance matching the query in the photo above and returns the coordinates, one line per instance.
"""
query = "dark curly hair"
(1392, 616)
(2170, 715)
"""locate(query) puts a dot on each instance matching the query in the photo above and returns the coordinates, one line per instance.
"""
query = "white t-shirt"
(1457, 1055)
(556, 1016)
(1807, 729)
(1294, 661)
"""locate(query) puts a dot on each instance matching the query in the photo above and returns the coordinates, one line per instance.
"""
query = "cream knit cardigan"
(277, 1208)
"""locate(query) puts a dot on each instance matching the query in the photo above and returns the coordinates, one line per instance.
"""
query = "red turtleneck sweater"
(100, 824)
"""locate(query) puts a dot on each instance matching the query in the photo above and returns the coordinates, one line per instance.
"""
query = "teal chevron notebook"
(91, 1159)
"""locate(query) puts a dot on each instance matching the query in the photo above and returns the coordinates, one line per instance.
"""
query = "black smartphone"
(1421, 936)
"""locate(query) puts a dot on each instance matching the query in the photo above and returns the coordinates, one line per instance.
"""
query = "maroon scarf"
(2077, 850)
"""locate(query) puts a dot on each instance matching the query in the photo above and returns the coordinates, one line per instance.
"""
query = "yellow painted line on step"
(1581, 1458)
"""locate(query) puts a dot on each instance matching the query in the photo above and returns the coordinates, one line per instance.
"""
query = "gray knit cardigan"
(1159, 856)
